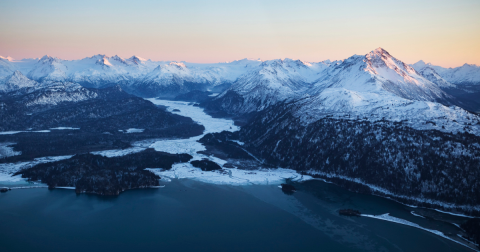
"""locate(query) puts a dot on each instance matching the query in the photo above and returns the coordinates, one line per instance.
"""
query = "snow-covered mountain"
(272, 81)
(376, 125)
(462, 82)
(48, 69)
(137, 75)
(377, 87)
(468, 74)
(430, 74)
(371, 87)
(380, 72)
(16, 81)
(252, 85)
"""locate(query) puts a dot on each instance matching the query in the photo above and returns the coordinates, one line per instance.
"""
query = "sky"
(445, 33)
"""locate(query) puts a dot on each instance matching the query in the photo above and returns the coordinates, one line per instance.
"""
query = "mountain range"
(273, 80)
(370, 122)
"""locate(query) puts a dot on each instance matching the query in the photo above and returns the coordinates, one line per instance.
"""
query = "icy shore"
(388, 217)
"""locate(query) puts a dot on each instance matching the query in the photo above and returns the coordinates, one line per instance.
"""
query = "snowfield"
(7, 151)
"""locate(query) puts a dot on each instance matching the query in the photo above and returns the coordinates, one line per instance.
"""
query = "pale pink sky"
(445, 33)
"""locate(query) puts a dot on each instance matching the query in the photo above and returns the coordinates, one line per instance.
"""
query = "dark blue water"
(193, 216)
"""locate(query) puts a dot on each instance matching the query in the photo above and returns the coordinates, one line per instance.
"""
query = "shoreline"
(389, 218)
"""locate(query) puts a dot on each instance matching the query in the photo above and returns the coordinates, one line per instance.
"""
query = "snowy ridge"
(467, 74)
(377, 87)
(16, 81)
(273, 81)
(56, 93)
(431, 75)
(136, 73)
(347, 104)
(381, 73)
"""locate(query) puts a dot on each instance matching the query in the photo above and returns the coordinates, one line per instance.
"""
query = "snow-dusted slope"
(347, 104)
(137, 75)
(270, 82)
(468, 74)
(57, 93)
(380, 72)
(6, 67)
(169, 79)
(278, 78)
(430, 74)
(172, 78)
(377, 87)
(48, 69)
(16, 81)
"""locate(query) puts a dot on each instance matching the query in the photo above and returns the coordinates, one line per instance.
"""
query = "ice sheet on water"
(16, 132)
(388, 217)
(9, 132)
(418, 215)
(64, 128)
(198, 115)
(229, 176)
(133, 130)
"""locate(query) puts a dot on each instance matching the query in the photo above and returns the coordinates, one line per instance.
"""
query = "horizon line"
(11, 59)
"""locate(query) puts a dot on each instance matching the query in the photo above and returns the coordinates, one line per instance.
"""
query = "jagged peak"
(117, 58)
(48, 58)
(99, 56)
(285, 62)
(469, 65)
(103, 61)
(136, 60)
(18, 76)
(17, 73)
(379, 52)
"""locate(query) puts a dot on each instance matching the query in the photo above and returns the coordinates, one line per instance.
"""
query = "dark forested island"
(96, 174)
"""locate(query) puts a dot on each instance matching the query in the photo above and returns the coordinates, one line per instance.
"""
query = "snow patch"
(418, 215)
(133, 130)
(8, 169)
